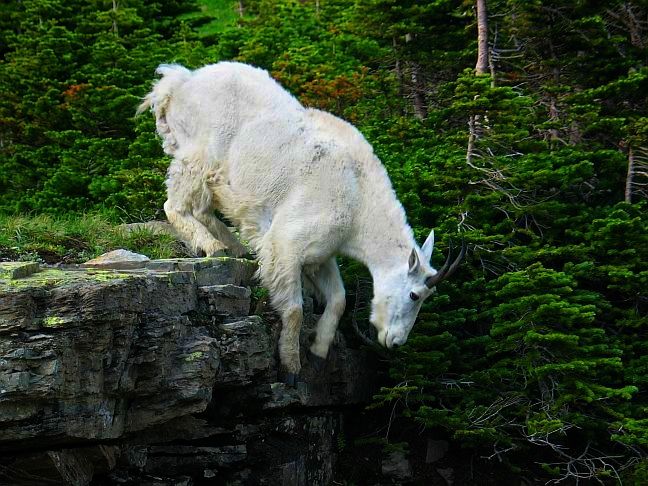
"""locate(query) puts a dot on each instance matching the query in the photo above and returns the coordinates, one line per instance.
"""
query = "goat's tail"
(158, 100)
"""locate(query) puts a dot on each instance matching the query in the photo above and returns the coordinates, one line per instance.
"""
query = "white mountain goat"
(301, 185)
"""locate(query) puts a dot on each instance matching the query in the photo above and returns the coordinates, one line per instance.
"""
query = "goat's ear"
(413, 261)
(428, 246)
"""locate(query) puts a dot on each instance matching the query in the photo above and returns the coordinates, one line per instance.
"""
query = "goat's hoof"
(238, 252)
(212, 249)
(337, 339)
(318, 363)
(290, 379)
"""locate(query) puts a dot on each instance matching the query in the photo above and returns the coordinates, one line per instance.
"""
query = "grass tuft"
(76, 238)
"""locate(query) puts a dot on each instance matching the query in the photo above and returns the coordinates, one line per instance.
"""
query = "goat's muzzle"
(448, 268)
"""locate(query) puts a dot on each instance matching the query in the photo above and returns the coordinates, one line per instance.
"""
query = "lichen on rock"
(53, 321)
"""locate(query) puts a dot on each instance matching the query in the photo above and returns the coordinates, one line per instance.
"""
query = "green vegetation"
(75, 238)
(215, 16)
(535, 355)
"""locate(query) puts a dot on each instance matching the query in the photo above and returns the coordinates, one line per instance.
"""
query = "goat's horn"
(447, 269)
(458, 260)
(432, 281)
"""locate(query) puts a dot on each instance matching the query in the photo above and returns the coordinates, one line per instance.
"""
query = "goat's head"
(400, 292)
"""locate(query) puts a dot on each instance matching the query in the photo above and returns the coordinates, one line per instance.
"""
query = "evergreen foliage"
(71, 76)
(536, 353)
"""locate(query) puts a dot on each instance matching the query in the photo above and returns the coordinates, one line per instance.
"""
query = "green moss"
(8, 266)
(53, 321)
(50, 277)
(54, 278)
(194, 356)
(105, 275)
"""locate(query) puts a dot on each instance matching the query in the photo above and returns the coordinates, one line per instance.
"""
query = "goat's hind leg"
(192, 231)
(186, 191)
(329, 283)
(221, 232)
(219, 192)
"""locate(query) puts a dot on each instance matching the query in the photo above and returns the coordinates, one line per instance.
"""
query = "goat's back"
(201, 111)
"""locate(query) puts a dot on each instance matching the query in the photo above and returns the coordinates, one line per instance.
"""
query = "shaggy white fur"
(301, 185)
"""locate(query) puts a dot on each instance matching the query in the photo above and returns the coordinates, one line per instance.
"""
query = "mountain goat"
(301, 185)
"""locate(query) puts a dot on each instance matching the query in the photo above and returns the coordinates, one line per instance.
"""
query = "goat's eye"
(414, 296)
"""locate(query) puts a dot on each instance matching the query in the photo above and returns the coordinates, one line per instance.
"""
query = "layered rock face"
(158, 374)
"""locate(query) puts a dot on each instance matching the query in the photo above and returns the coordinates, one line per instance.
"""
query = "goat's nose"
(395, 345)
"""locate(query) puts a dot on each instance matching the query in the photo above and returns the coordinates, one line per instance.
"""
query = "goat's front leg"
(329, 283)
(281, 274)
(291, 321)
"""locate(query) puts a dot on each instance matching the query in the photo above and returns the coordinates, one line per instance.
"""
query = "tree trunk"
(633, 24)
(240, 8)
(491, 65)
(575, 136)
(472, 136)
(629, 176)
(482, 38)
(417, 87)
(418, 92)
(482, 67)
(115, 6)
(398, 68)
(554, 116)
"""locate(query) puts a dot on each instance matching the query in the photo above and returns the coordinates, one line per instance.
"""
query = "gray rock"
(279, 395)
(137, 376)
(15, 270)
(396, 465)
(75, 466)
(166, 265)
(230, 300)
(436, 449)
(210, 270)
(118, 260)
(447, 474)
(246, 351)
(185, 459)
(236, 271)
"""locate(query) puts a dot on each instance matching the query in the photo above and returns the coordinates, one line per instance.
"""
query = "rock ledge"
(158, 375)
